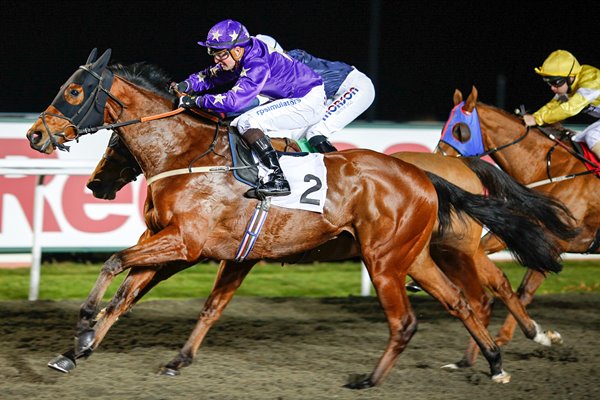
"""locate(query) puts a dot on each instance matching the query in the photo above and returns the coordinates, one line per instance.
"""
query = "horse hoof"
(359, 382)
(168, 372)
(63, 364)
(502, 377)
(452, 366)
(84, 342)
(555, 337)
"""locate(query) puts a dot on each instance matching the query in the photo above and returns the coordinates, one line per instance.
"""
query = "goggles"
(555, 81)
(218, 54)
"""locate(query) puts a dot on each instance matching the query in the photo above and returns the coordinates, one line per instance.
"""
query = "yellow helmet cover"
(559, 63)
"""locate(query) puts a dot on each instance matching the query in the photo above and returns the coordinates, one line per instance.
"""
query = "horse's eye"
(73, 94)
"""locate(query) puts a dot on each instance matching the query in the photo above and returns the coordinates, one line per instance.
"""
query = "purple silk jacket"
(260, 72)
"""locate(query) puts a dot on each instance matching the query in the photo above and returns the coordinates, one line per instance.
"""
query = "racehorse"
(389, 207)
(457, 252)
(534, 158)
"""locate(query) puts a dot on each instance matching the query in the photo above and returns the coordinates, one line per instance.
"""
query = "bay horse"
(533, 158)
(389, 207)
(457, 252)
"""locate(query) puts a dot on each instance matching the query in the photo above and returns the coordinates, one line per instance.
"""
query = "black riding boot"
(321, 144)
(276, 185)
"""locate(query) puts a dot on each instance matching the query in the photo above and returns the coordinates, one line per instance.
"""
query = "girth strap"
(253, 229)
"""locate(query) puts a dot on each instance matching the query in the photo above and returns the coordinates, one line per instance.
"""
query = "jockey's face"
(558, 85)
(228, 58)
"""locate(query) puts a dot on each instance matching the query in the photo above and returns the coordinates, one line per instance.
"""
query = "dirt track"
(293, 349)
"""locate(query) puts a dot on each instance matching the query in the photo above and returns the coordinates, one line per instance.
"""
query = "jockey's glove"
(176, 88)
(189, 101)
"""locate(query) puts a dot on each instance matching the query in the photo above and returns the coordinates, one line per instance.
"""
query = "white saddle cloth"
(307, 176)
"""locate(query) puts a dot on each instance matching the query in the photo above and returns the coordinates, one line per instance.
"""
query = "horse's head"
(116, 169)
(79, 104)
(462, 132)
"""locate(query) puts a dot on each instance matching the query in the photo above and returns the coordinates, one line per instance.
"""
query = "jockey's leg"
(276, 185)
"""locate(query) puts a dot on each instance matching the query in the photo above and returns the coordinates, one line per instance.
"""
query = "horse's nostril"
(35, 137)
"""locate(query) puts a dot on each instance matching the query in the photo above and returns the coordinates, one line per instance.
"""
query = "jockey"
(251, 70)
(576, 89)
(349, 93)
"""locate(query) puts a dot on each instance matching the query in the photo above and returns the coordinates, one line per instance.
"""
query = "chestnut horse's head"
(462, 130)
(79, 104)
(116, 169)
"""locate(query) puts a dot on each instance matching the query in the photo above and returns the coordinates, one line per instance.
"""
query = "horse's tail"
(523, 236)
(550, 213)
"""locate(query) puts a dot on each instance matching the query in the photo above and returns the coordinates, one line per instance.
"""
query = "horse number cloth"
(307, 176)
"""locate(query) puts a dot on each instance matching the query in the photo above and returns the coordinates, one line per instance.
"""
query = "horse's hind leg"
(439, 286)
(459, 267)
(489, 275)
(530, 283)
(229, 278)
(389, 285)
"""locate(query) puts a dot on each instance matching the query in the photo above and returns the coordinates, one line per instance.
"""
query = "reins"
(94, 129)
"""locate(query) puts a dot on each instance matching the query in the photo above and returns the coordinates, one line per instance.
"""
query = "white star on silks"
(236, 88)
(219, 98)
(216, 35)
(201, 77)
(244, 71)
(234, 35)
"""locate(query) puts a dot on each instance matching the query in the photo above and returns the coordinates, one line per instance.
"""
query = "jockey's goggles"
(555, 81)
(218, 54)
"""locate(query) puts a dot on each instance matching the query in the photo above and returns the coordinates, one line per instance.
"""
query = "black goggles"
(216, 52)
(555, 81)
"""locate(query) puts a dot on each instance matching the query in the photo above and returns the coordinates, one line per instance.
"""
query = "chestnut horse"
(457, 252)
(533, 158)
(389, 207)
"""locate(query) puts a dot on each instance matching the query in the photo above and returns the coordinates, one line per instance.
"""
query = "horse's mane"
(145, 75)
(557, 126)
(499, 110)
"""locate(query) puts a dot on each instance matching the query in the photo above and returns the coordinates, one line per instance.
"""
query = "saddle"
(242, 155)
(246, 169)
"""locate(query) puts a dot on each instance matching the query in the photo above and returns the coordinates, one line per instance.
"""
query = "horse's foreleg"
(125, 297)
(439, 286)
(162, 248)
(111, 268)
(530, 283)
(87, 340)
(229, 278)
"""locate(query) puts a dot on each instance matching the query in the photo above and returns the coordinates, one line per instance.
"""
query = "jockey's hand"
(188, 101)
(178, 88)
(529, 120)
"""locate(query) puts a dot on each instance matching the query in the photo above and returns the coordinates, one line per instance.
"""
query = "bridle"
(90, 113)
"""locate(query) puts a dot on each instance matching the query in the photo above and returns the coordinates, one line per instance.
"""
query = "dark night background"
(425, 49)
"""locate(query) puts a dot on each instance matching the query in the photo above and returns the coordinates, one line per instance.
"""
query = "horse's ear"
(92, 56)
(457, 97)
(471, 100)
(102, 61)
(474, 92)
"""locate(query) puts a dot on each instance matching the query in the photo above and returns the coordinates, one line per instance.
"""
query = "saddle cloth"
(305, 172)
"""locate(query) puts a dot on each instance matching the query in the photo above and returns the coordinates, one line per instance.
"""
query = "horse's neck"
(162, 144)
(526, 160)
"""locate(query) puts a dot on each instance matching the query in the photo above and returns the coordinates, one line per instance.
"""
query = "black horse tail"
(521, 233)
(550, 213)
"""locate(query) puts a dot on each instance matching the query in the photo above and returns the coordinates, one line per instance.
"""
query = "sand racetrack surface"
(294, 348)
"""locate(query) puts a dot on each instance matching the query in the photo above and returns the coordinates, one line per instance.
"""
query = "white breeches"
(284, 117)
(353, 97)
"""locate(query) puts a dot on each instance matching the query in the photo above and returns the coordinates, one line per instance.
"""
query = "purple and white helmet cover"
(226, 35)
